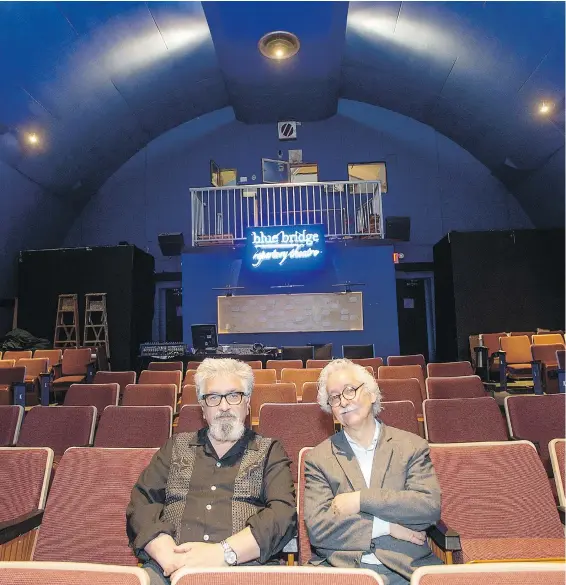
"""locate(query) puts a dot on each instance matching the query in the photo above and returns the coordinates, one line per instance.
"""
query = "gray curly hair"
(210, 368)
(370, 383)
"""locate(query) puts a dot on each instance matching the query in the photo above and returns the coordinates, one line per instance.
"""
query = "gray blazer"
(403, 490)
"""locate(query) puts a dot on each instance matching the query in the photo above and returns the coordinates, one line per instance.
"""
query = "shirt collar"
(248, 439)
(373, 441)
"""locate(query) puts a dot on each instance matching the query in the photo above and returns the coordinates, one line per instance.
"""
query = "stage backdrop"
(206, 268)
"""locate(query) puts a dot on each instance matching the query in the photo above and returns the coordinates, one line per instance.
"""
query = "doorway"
(412, 317)
(174, 314)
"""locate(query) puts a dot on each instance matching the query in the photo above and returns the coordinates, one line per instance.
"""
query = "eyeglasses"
(233, 398)
(349, 393)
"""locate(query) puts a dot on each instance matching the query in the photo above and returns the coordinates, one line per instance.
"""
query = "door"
(411, 317)
(174, 314)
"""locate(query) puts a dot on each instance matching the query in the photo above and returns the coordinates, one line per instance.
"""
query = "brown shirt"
(207, 513)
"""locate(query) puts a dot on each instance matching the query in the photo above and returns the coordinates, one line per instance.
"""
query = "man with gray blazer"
(371, 489)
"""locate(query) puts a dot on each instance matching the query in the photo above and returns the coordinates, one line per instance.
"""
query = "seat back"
(84, 518)
(491, 341)
(18, 355)
(282, 393)
(403, 373)
(408, 360)
(317, 363)
(189, 377)
(557, 458)
(528, 334)
(193, 365)
(304, 542)
(165, 366)
(53, 355)
(397, 390)
(474, 477)
(98, 395)
(75, 361)
(450, 369)
(561, 358)
(58, 427)
(375, 363)
(151, 394)
(70, 574)
(255, 364)
(537, 418)
(11, 417)
(34, 366)
(10, 375)
(548, 339)
(120, 378)
(299, 377)
(310, 392)
(510, 573)
(458, 387)
(546, 353)
(156, 377)
(7, 364)
(24, 479)
(189, 395)
(401, 415)
(358, 351)
(191, 419)
(265, 376)
(517, 349)
(280, 365)
(463, 420)
(134, 426)
(296, 426)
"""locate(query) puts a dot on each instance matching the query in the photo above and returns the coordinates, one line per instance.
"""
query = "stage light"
(279, 45)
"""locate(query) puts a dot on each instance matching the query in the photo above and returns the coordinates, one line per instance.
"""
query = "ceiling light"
(545, 107)
(33, 138)
(279, 45)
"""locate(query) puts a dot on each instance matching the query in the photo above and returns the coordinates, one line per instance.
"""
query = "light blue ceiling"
(99, 80)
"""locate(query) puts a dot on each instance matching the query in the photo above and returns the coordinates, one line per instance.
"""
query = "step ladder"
(96, 322)
(67, 322)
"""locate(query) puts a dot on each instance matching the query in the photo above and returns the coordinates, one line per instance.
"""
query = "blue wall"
(370, 264)
(431, 179)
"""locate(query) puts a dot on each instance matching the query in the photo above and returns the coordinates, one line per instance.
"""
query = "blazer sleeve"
(344, 533)
(418, 505)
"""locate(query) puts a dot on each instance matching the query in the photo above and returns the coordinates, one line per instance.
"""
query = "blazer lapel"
(347, 461)
(381, 457)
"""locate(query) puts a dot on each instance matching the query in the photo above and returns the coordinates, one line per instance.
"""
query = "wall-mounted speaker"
(398, 228)
(171, 244)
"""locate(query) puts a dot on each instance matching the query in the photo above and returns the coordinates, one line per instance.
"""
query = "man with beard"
(220, 497)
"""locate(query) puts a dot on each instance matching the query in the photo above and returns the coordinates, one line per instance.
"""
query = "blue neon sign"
(285, 248)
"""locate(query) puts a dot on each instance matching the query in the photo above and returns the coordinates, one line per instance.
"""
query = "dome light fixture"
(279, 45)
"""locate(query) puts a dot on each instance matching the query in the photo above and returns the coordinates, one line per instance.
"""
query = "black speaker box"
(398, 228)
(171, 244)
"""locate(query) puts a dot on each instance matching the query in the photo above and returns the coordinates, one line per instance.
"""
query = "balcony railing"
(346, 209)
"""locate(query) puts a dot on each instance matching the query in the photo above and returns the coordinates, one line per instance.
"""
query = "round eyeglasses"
(349, 393)
(232, 398)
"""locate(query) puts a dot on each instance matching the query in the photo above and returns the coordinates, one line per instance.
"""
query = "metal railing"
(346, 209)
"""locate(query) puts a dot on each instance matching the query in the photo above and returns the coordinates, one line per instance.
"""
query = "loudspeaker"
(398, 228)
(171, 244)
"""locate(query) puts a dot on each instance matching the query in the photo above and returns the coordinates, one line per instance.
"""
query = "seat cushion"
(491, 549)
(67, 380)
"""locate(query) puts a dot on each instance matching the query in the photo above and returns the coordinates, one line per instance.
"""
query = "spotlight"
(545, 107)
(33, 138)
(279, 45)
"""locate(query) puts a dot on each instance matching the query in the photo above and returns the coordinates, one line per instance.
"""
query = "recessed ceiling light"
(545, 107)
(33, 138)
(279, 45)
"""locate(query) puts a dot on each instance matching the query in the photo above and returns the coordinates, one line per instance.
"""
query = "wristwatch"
(230, 556)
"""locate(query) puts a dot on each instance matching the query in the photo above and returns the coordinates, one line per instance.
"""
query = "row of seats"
(35, 573)
(496, 502)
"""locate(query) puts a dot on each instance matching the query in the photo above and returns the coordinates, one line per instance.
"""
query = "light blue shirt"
(365, 461)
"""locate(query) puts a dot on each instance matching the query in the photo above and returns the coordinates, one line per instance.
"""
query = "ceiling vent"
(287, 130)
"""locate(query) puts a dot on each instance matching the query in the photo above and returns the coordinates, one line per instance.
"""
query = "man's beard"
(226, 428)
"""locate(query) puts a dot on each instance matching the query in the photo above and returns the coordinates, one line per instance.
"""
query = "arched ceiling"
(99, 80)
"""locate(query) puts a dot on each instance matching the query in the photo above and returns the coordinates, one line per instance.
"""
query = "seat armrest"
(57, 370)
(90, 371)
(444, 537)
(20, 525)
(562, 513)
(536, 366)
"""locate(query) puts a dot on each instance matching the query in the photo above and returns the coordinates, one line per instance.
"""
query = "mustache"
(227, 415)
(347, 410)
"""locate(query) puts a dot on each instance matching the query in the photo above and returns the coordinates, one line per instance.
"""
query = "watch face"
(230, 557)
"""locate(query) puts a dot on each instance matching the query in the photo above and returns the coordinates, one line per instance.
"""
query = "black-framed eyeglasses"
(349, 393)
(232, 398)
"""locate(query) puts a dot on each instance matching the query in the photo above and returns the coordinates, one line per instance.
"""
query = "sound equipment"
(398, 228)
(171, 244)
(166, 350)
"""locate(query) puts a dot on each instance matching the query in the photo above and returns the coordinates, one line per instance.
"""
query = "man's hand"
(162, 549)
(403, 533)
(200, 554)
(346, 504)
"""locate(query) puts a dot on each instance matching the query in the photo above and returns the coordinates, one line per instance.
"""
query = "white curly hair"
(211, 367)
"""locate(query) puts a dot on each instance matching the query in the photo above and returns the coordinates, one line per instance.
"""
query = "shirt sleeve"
(380, 527)
(275, 525)
(143, 514)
